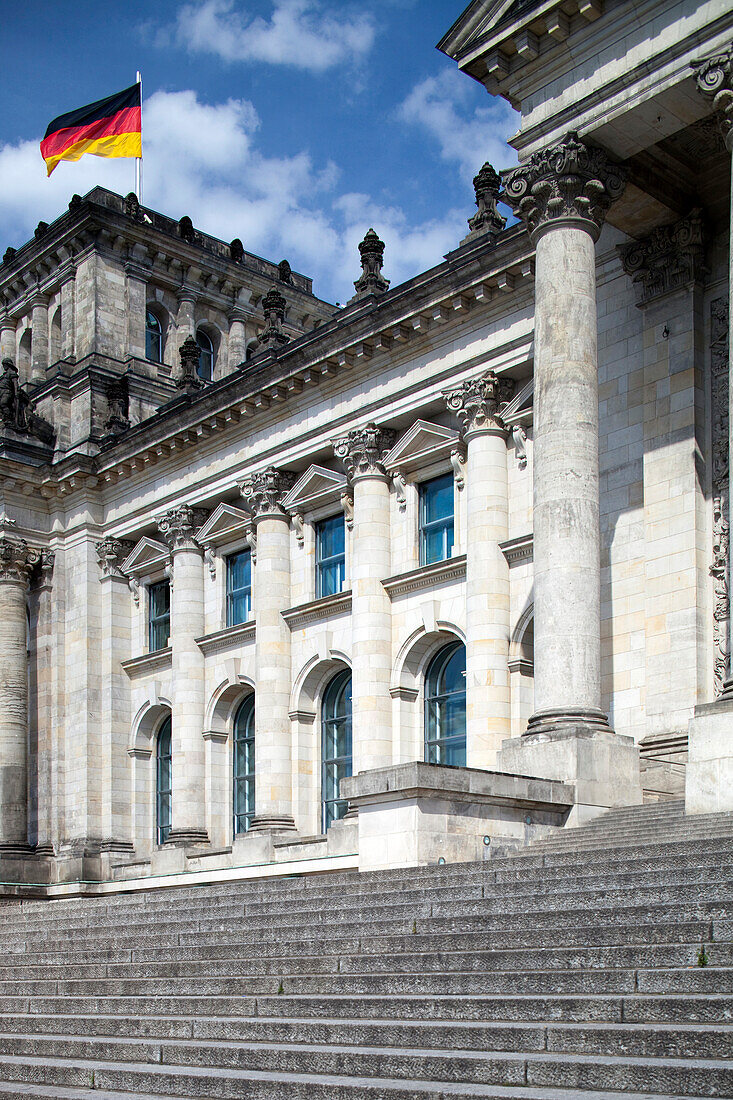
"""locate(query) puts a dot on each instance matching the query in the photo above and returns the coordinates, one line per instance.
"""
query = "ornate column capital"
(477, 401)
(178, 526)
(714, 79)
(363, 451)
(264, 491)
(110, 554)
(17, 560)
(672, 256)
(569, 184)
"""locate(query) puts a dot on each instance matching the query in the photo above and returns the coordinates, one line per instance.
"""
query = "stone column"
(17, 560)
(187, 711)
(39, 345)
(362, 453)
(263, 493)
(7, 337)
(488, 702)
(237, 347)
(40, 689)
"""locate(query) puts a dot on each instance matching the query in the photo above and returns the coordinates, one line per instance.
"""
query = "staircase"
(569, 972)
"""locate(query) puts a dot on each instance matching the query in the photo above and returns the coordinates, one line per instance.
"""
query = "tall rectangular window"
(330, 556)
(239, 587)
(159, 615)
(436, 519)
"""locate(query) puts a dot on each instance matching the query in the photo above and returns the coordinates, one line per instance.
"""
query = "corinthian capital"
(264, 491)
(17, 560)
(110, 554)
(565, 184)
(178, 526)
(363, 451)
(672, 256)
(714, 79)
(476, 402)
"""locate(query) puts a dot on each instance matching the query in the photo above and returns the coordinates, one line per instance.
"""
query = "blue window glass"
(163, 782)
(436, 519)
(239, 587)
(205, 368)
(153, 338)
(159, 615)
(243, 764)
(330, 556)
(335, 746)
(445, 707)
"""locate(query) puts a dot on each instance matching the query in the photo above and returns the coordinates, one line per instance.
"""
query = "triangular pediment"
(478, 20)
(224, 524)
(146, 556)
(317, 486)
(519, 409)
(422, 444)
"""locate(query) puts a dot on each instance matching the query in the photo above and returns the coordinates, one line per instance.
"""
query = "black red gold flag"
(110, 127)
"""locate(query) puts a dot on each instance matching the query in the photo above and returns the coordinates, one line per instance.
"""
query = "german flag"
(110, 127)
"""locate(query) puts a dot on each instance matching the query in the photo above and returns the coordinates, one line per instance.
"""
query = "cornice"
(316, 610)
(440, 572)
(518, 550)
(229, 638)
(148, 662)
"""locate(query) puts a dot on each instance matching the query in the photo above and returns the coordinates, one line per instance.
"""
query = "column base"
(272, 823)
(557, 720)
(15, 849)
(184, 838)
(709, 772)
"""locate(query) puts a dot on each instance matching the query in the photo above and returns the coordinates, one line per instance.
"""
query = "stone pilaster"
(68, 291)
(263, 493)
(39, 345)
(40, 684)
(362, 453)
(488, 703)
(177, 528)
(136, 290)
(17, 560)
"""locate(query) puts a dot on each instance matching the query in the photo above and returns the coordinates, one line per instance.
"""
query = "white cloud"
(299, 33)
(442, 105)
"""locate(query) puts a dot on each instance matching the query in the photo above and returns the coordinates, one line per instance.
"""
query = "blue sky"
(293, 124)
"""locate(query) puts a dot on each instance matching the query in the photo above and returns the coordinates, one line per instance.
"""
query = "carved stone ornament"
(364, 450)
(46, 568)
(185, 229)
(236, 251)
(110, 554)
(565, 184)
(17, 560)
(178, 526)
(487, 185)
(371, 280)
(519, 437)
(721, 597)
(272, 336)
(263, 492)
(347, 503)
(672, 256)
(132, 207)
(16, 407)
(476, 402)
(118, 402)
(714, 79)
(285, 272)
(720, 565)
(400, 488)
(188, 378)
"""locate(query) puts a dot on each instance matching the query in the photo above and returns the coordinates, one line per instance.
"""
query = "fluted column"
(362, 453)
(488, 703)
(562, 194)
(178, 528)
(39, 344)
(263, 493)
(17, 561)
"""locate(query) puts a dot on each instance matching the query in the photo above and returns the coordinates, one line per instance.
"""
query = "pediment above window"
(519, 409)
(145, 557)
(313, 489)
(423, 444)
(225, 524)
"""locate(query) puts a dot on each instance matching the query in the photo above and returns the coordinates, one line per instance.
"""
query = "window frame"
(245, 780)
(332, 807)
(435, 703)
(323, 564)
(161, 343)
(163, 794)
(229, 593)
(444, 524)
(154, 619)
(201, 332)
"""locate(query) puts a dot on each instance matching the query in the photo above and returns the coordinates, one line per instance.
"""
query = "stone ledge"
(452, 569)
(148, 662)
(519, 549)
(315, 610)
(223, 639)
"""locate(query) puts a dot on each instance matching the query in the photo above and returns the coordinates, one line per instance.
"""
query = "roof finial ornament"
(188, 377)
(371, 280)
(487, 185)
(272, 336)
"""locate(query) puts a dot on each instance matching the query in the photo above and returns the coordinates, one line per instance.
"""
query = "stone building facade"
(269, 566)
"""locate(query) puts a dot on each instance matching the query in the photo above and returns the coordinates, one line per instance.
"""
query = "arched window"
(153, 338)
(445, 707)
(335, 746)
(243, 764)
(163, 782)
(205, 368)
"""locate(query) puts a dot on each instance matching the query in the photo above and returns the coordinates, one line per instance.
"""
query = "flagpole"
(139, 160)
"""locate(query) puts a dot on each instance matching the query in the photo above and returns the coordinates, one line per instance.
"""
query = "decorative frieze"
(714, 79)
(17, 560)
(364, 450)
(179, 526)
(719, 569)
(264, 492)
(477, 401)
(569, 183)
(111, 553)
(672, 256)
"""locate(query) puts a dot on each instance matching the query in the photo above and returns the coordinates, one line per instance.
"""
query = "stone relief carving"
(714, 79)
(519, 437)
(347, 503)
(719, 569)
(263, 492)
(458, 462)
(110, 554)
(16, 407)
(363, 450)
(299, 528)
(566, 183)
(400, 485)
(118, 406)
(487, 186)
(371, 280)
(672, 256)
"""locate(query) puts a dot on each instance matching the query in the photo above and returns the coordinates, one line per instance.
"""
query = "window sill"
(225, 639)
(149, 662)
(325, 608)
(440, 572)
